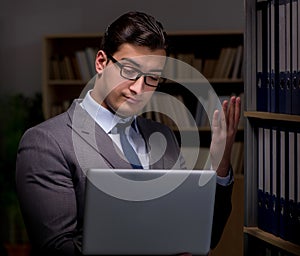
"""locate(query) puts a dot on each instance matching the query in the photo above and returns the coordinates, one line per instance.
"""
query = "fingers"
(215, 122)
(228, 118)
(224, 119)
(237, 110)
(234, 113)
(231, 113)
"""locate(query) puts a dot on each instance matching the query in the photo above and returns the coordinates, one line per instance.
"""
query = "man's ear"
(101, 61)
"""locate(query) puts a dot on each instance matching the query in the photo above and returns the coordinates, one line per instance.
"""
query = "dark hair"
(135, 28)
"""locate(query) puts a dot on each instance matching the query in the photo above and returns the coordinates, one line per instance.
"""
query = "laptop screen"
(148, 212)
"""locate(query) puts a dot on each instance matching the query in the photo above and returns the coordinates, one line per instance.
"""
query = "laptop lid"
(154, 212)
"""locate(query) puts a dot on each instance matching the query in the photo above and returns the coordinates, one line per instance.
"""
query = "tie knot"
(121, 126)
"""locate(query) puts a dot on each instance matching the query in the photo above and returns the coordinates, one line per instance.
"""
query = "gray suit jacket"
(50, 177)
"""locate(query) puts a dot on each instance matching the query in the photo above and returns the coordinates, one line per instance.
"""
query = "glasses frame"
(139, 73)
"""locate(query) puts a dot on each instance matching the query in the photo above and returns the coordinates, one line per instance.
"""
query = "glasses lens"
(129, 72)
(152, 80)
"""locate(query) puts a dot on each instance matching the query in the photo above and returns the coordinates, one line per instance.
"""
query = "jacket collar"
(85, 127)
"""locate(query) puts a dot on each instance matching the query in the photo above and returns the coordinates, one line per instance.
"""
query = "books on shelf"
(228, 65)
(86, 62)
(203, 112)
(79, 66)
(238, 63)
(169, 110)
(58, 108)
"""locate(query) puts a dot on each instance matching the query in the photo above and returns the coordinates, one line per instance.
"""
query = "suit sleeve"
(46, 194)
(222, 211)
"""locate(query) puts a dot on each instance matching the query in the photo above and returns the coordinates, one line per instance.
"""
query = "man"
(54, 155)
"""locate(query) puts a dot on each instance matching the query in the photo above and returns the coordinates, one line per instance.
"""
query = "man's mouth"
(133, 100)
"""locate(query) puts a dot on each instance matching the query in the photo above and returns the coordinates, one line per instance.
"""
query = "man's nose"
(138, 85)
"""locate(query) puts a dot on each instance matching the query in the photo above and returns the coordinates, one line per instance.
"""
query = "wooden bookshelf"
(272, 116)
(59, 88)
(274, 240)
(200, 46)
(58, 92)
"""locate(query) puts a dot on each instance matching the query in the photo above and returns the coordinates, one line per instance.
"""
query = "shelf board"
(274, 240)
(272, 116)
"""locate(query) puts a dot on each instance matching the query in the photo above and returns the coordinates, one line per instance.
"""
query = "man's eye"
(154, 78)
(129, 71)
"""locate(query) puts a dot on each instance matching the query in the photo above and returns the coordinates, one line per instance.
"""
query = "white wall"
(24, 23)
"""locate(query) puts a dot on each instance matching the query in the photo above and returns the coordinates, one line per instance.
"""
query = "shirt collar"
(102, 116)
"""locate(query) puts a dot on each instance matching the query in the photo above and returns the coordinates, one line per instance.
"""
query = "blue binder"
(288, 93)
(294, 204)
(282, 97)
(260, 193)
(275, 199)
(268, 209)
(283, 217)
(295, 56)
(274, 55)
(288, 55)
(297, 183)
(283, 48)
(274, 93)
(291, 186)
(262, 74)
(296, 93)
(297, 226)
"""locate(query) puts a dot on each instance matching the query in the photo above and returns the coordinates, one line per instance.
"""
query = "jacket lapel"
(85, 127)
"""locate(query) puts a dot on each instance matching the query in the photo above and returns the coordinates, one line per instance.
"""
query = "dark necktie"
(128, 151)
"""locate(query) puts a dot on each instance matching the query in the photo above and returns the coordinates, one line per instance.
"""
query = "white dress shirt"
(107, 121)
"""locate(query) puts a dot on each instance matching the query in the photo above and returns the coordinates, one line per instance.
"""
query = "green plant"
(18, 114)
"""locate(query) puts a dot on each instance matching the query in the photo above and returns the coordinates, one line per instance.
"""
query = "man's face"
(120, 95)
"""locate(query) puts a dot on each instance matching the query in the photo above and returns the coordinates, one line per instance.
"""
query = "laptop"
(148, 212)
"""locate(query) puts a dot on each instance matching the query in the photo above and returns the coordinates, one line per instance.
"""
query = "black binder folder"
(260, 193)
(267, 180)
(295, 93)
(295, 86)
(297, 184)
(275, 199)
(262, 78)
(291, 187)
(288, 53)
(283, 217)
(282, 56)
(273, 56)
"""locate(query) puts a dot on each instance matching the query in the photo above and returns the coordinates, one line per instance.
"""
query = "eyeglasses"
(131, 73)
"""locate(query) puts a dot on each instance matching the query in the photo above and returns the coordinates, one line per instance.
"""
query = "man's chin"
(127, 109)
(127, 112)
